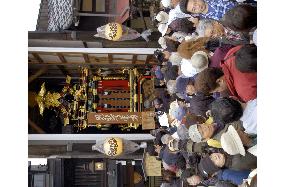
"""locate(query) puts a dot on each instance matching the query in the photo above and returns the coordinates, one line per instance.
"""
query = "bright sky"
(33, 6)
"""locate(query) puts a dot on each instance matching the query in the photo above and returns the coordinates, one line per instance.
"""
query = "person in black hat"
(211, 164)
(191, 177)
(226, 110)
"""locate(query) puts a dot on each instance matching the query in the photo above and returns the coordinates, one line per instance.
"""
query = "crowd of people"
(206, 93)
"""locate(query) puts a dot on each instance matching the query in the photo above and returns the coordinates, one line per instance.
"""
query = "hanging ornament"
(113, 31)
(113, 146)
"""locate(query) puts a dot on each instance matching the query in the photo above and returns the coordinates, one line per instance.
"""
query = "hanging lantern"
(113, 146)
(113, 31)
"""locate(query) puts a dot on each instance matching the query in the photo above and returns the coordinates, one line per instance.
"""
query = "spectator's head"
(190, 89)
(181, 84)
(189, 176)
(173, 145)
(162, 17)
(168, 176)
(171, 45)
(169, 3)
(226, 110)
(164, 29)
(175, 59)
(158, 103)
(192, 119)
(198, 62)
(162, 42)
(246, 59)
(166, 3)
(159, 55)
(210, 80)
(209, 28)
(200, 132)
(181, 163)
(193, 6)
(171, 86)
(167, 54)
(147, 104)
(177, 111)
(182, 25)
(241, 18)
(151, 150)
(166, 139)
(209, 165)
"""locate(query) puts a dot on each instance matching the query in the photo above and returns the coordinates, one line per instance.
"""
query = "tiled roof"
(42, 20)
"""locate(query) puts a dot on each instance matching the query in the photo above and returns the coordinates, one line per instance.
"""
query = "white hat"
(187, 69)
(163, 120)
(162, 42)
(166, 3)
(162, 17)
(163, 28)
(194, 134)
(199, 61)
(253, 150)
(166, 138)
(175, 58)
(231, 142)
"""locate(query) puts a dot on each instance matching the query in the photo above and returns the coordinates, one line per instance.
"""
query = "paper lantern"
(113, 31)
(113, 146)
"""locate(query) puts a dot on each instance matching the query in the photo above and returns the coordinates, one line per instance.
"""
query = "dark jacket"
(239, 162)
(219, 55)
(199, 104)
(168, 157)
(224, 184)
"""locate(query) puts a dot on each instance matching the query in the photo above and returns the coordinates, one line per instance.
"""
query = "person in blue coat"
(233, 176)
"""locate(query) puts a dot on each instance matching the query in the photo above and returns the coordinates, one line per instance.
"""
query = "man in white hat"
(164, 29)
(198, 62)
(162, 17)
(170, 3)
(204, 132)
(231, 142)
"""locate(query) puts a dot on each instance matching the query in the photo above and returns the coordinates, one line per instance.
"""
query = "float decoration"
(115, 146)
(113, 31)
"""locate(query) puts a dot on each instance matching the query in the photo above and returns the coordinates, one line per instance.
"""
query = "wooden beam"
(35, 127)
(148, 59)
(37, 74)
(37, 57)
(134, 59)
(63, 70)
(61, 57)
(126, 51)
(86, 58)
(110, 58)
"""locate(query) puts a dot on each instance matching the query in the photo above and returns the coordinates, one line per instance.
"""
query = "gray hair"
(203, 25)
(171, 86)
(175, 58)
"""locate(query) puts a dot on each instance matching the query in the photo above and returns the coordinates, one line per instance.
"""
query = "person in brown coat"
(187, 48)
